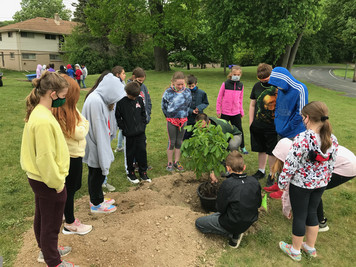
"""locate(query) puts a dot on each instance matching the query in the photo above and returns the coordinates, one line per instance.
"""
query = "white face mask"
(235, 78)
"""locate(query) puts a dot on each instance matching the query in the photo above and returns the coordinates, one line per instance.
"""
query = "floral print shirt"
(306, 166)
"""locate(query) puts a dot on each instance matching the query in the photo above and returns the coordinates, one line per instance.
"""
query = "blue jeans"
(119, 139)
(84, 86)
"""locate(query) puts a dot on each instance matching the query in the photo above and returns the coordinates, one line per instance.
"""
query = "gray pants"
(235, 142)
(210, 225)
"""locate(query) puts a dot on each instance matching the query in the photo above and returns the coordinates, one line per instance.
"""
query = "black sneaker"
(323, 226)
(132, 178)
(144, 177)
(235, 242)
(259, 175)
(270, 181)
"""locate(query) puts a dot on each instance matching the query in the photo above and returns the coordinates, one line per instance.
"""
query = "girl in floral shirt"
(308, 168)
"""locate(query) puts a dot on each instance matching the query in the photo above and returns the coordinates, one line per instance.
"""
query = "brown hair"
(236, 67)
(47, 81)
(264, 71)
(192, 79)
(133, 89)
(101, 77)
(235, 161)
(117, 70)
(318, 113)
(178, 75)
(137, 73)
(68, 115)
(202, 117)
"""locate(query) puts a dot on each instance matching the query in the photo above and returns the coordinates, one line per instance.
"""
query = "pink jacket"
(230, 99)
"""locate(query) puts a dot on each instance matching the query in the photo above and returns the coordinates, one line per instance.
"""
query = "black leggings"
(304, 204)
(336, 180)
(236, 121)
(73, 184)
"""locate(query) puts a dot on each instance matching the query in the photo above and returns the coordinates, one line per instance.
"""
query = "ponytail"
(318, 113)
(32, 101)
(325, 133)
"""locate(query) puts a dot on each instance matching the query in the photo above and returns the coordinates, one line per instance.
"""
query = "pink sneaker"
(103, 208)
(76, 228)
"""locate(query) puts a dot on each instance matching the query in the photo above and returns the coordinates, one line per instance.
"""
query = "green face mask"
(58, 102)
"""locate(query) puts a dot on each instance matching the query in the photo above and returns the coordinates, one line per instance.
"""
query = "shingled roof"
(42, 25)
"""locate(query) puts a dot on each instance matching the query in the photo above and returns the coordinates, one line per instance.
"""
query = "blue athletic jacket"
(292, 97)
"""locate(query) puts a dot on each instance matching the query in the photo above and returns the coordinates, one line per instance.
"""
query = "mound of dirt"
(153, 226)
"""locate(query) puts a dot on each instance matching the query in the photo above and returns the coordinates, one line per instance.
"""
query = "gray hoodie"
(98, 153)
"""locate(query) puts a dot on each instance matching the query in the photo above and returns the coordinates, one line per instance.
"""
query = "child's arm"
(204, 103)
(148, 104)
(143, 112)
(219, 99)
(164, 104)
(118, 116)
(241, 103)
(251, 112)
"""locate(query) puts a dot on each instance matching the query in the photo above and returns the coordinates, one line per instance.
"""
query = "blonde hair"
(236, 67)
(318, 113)
(277, 168)
(235, 161)
(48, 81)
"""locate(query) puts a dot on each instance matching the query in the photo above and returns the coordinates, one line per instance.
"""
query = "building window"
(54, 57)
(28, 56)
(9, 34)
(0, 37)
(12, 55)
(50, 36)
(27, 35)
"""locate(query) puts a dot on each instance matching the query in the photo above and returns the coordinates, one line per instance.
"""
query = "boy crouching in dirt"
(238, 200)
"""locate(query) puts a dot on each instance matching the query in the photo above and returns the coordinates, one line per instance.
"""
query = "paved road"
(324, 76)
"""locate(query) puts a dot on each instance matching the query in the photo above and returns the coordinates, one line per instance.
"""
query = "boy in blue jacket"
(291, 98)
(238, 200)
(198, 104)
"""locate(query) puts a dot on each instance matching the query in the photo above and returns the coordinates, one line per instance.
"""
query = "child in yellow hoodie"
(45, 158)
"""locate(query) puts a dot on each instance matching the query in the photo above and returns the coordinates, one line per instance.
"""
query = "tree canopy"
(41, 8)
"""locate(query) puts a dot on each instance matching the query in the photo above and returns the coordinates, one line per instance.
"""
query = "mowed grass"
(335, 247)
(341, 72)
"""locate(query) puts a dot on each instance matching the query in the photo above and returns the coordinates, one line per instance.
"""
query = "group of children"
(68, 138)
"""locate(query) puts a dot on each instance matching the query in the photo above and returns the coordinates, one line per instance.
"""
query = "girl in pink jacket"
(229, 103)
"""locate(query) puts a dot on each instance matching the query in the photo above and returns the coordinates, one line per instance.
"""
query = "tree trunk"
(161, 59)
(286, 56)
(188, 66)
(224, 62)
(354, 79)
(293, 53)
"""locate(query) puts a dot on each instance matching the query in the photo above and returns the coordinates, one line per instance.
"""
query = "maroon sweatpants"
(48, 219)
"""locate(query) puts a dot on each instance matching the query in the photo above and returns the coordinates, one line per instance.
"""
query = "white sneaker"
(109, 187)
(118, 149)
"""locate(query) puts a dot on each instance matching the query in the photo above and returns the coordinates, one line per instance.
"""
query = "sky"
(9, 7)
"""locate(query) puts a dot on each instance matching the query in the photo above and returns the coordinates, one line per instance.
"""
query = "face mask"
(58, 102)
(235, 78)
(194, 89)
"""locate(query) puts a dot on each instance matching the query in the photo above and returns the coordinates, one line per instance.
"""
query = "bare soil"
(153, 226)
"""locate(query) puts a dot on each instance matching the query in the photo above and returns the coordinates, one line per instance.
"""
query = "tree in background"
(41, 8)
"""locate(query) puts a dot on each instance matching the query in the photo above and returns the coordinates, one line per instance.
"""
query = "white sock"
(294, 251)
(262, 170)
(307, 247)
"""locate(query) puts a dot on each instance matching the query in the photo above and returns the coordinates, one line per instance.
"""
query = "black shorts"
(263, 140)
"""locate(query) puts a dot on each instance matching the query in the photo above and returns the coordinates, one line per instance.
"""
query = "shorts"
(263, 140)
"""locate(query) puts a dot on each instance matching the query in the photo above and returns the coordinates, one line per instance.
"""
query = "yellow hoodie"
(44, 151)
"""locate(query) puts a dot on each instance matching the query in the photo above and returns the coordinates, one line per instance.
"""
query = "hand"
(196, 111)
(218, 115)
(289, 216)
(213, 178)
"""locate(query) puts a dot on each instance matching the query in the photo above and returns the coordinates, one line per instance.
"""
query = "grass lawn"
(334, 247)
(341, 72)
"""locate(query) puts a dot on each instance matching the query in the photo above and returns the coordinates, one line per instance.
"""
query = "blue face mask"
(235, 78)
(194, 89)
